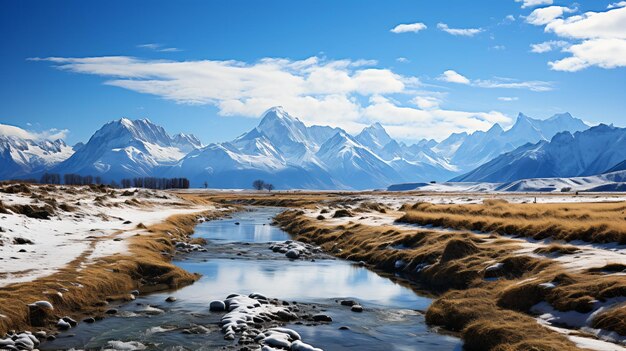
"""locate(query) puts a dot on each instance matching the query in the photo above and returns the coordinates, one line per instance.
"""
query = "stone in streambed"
(63, 325)
(357, 308)
(322, 318)
(217, 306)
(71, 321)
(293, 254)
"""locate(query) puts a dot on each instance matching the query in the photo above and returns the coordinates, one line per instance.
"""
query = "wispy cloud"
(409, 28)
(452, 76)
(50, 134)
(547, 46)
(501, 83)
(158, 47)
(403, 60)
(508, 98)
(345, 93)
(616, 5)
(534, 3)
(466, 32)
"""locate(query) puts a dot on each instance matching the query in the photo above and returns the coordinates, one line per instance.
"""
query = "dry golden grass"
(592, 222)
(557, 249)
(85, 289)
(279, 199)
(491, 315)
(298, 199)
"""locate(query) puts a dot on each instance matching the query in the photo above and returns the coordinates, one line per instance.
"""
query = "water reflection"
(389, 321)
(297, 280)
(249, 227)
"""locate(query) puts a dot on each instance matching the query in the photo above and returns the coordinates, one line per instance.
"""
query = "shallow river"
(239, 261)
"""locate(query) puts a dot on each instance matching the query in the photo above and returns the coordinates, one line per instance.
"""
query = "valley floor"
(79, 247)
(515, 271)
(512, 271)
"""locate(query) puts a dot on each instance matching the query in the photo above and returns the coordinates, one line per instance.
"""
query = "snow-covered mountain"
(468, 151)
(126, 148)
(593, 151)
(21, 156)
(610, 181)
(280, 150)
(284, 151)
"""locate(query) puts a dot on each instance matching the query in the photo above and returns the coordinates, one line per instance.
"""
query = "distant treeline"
(140, 182)
(156, 183)
(69, 179)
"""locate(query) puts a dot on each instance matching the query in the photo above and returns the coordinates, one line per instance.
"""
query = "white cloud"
(508, 98)
(452, 76)
(616, 5)
(498, 47)
(545, 15)
(410, 123)
(592, 25)
(467, 32)
(509, 18)
(427, 102)
(547, 46)
(601, 39)
(409, 28)
(344, 93)
(533, 3)
(403, 60)
(501, 83)
(604, 53)
(50, 134)
(158, 47)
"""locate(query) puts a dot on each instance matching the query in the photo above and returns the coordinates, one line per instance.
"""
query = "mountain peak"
(376, 125)
(561, 116)
(126, 122)
(276, 112)
(374, 137)
(495, 129)
(522, 118)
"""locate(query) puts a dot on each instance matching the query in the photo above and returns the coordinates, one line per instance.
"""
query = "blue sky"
(212, 67)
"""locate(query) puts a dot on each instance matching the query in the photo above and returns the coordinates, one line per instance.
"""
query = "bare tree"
(258, 184)
(269, 187)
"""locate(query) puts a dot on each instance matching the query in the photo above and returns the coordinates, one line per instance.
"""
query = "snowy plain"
(97, 228)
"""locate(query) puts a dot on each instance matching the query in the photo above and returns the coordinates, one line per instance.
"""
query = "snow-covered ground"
(94, 228)
(589, 255)
(607, 182)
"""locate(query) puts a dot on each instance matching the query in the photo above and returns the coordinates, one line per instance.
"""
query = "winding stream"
(238, 261)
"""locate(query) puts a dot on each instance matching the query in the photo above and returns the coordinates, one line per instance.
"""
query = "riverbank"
(340, 306)
(499, 292)
(72, 251)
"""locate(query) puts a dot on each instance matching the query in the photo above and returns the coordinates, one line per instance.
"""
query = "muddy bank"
(496, 289)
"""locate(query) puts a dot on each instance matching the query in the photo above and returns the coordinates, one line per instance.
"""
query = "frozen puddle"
(239, 260)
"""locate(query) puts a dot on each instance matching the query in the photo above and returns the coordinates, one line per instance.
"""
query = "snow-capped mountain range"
(284, 151)
(468, 151)
(126, 149)
(22, 156)
(596, 150)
